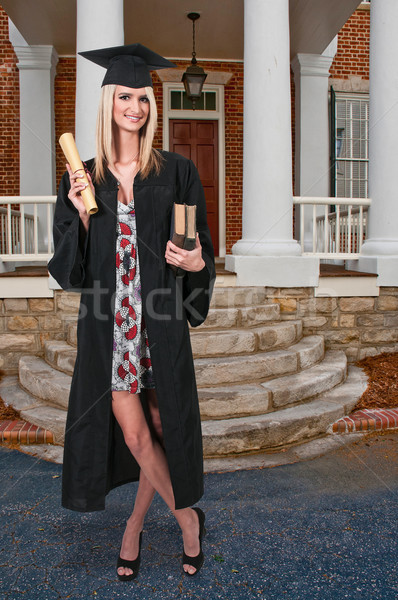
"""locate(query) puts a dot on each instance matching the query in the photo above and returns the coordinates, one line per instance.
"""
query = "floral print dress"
(131, 363)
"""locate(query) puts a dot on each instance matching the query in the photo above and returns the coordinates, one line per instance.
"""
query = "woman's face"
(130, 108)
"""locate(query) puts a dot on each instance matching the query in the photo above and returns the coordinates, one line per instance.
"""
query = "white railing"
(23, 236)
(339, 233)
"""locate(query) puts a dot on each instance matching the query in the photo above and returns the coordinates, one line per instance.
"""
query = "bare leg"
(151, 457)
(145, 494)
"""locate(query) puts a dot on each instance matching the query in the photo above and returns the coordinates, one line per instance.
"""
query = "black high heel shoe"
(196, 561)
(134, 565)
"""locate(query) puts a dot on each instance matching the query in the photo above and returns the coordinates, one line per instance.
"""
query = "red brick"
(40, 435)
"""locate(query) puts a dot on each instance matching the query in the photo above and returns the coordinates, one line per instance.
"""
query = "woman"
(133, 408)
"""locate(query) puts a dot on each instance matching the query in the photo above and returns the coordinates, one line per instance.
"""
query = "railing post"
(9, 230)
(314, 246)
(326, 230)
(302, 214)
(22, 228)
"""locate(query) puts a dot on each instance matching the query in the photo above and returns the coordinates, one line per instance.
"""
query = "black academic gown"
(96, 458)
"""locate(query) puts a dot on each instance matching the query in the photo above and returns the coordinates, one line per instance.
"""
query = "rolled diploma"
(68, 146)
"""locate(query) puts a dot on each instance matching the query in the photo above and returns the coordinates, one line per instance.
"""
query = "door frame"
(207, 115)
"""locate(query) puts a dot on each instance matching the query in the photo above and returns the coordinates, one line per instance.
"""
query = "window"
(179, 101)
(349, 145)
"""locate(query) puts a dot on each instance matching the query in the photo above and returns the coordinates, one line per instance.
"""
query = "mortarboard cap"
(128, 65)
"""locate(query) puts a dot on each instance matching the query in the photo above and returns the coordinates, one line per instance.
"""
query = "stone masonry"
(26, 324)
(361, 327)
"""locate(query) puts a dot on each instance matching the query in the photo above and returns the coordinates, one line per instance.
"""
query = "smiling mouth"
(132, 118)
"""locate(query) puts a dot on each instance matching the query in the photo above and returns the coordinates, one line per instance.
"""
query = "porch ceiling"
(164, 25)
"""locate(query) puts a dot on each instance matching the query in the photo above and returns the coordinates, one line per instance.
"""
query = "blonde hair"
(149, 158)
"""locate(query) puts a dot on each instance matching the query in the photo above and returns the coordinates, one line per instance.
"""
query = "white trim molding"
(26, 287)
(36, 58)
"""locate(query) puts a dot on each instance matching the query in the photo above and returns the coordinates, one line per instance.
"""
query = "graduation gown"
(96, 458)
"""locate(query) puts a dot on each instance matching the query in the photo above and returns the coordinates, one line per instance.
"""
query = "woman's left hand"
(189, 260)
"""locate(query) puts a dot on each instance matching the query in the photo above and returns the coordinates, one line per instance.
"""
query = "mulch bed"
(7, 413)
(382, 390)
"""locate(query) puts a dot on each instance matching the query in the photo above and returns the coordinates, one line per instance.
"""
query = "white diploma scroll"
(68, 146)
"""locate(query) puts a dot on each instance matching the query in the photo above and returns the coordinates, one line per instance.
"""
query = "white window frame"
(208, 115)
(346, 96)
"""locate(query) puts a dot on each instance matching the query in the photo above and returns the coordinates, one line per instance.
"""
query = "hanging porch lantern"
(194, 77)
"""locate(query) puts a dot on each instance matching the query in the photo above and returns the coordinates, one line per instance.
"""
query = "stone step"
(60, 355)
(225, 437)
(309, 382)
(32, 409)
(285, 426)
(236, 401)
(249, 340)
(233, 401)
(261, 366)
(72, 334)
(225, 279)
(218, 370)
(242, 316)
(230, 297)
(42, 381)
(348, 394)
(220, 318)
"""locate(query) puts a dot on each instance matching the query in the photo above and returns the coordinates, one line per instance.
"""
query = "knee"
(138, 442)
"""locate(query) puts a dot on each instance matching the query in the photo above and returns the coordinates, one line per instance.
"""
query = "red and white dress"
(131, 364)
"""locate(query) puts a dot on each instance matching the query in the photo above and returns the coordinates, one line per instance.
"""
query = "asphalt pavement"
(319, 529)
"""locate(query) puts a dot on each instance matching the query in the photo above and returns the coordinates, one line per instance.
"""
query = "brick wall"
(9, 122)
(352, 57)
(64, 104)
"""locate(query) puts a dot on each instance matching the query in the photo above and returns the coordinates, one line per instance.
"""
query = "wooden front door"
(198, 140)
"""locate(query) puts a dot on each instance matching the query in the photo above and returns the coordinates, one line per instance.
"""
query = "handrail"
(26, 237)
(330, 201)
(27, 199)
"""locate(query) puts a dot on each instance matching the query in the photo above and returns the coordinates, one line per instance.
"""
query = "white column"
(99, 25)
(312, 152)
(267, 253)
(380, 251)
(36, 66)
(383, 127)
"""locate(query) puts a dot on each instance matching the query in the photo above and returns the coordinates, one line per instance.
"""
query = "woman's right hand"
(76, 187)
